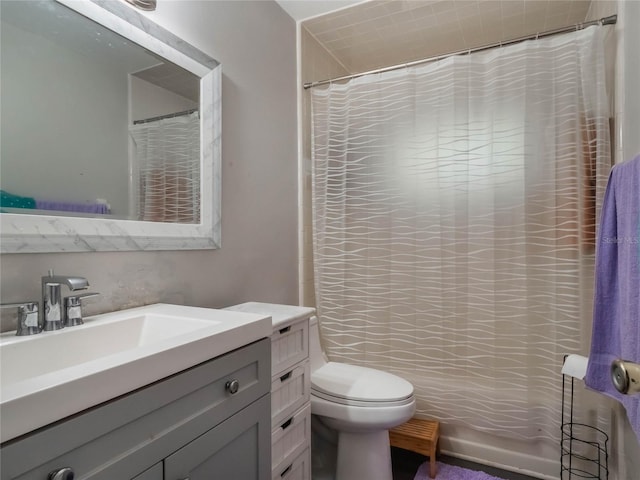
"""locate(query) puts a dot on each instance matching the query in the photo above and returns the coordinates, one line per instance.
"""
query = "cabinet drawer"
(290, 439)
(289, 345)
(289, 392)
(123, 437)
(299, 469)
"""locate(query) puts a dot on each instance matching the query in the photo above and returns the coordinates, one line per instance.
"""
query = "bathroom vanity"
(211, 420)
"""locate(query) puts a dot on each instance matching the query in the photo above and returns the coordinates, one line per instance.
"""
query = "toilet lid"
(360, 384)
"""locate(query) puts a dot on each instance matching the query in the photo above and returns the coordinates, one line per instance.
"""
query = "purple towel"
(616, 309)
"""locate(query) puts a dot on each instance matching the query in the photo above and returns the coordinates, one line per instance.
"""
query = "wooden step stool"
(420, 436)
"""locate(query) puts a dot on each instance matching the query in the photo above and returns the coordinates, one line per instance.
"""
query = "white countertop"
(280, 314)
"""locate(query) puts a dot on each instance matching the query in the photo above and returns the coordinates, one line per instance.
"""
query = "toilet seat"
(360, 386)
(359, 403)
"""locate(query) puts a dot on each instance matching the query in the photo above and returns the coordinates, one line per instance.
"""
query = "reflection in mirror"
(96, 125)
(117, 125)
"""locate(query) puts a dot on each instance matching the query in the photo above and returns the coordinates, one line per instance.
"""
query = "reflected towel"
(616, 314)
(98, 208)
(15, 201)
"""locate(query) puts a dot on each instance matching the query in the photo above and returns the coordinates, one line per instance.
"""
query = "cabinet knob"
(65, 473)
(232, 386)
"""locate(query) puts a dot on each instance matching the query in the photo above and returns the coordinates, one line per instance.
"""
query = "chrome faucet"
(28, 323)
(52, 312)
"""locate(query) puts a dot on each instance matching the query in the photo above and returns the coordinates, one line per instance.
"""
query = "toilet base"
(364, 456)
(324, 450)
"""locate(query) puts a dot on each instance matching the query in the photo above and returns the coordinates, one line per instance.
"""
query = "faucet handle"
(73, 308)
(28, 323)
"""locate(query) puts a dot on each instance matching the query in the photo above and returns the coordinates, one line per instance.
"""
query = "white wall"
(256, 43)
(630, 102)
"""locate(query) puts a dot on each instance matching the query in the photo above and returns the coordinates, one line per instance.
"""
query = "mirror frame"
(21, 233)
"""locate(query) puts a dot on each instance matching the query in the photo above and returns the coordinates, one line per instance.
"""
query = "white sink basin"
(46, 377)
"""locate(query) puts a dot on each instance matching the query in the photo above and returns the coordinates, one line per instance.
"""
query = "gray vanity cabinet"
(190, 425)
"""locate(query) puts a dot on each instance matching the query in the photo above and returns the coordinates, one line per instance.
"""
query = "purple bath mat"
(450, 472)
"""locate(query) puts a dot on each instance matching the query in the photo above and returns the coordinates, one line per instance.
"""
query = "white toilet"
(361, 405)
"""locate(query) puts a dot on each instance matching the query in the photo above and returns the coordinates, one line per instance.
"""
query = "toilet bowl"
(360, 404)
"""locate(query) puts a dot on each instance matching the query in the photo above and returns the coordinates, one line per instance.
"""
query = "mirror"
(110, 131)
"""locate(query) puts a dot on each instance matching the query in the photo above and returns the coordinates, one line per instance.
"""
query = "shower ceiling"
(380, 33)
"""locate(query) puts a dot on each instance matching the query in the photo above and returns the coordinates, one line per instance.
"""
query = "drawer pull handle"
(285, 329)
(287, 423)
(65, 473)
(286, 376)
(286, 470)
(232, 386)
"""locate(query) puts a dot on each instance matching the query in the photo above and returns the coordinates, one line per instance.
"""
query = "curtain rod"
(611, 20)
(162, 117)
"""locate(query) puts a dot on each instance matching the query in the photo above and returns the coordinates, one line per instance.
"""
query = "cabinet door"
(238, 448)
(154, 473)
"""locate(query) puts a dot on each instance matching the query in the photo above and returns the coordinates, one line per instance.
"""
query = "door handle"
(625, 376)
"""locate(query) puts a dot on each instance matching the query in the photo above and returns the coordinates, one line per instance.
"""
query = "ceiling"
(303, 9)
(380, 33)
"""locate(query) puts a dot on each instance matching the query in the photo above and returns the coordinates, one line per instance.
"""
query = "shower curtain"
(167, 169)
(454, 212)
